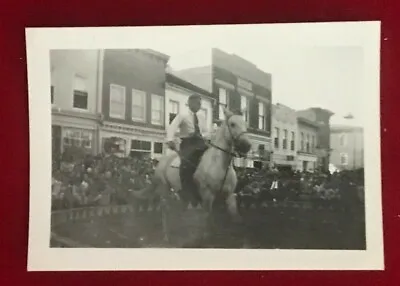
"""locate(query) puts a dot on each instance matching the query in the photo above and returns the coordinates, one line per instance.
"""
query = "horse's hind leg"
(164, 209)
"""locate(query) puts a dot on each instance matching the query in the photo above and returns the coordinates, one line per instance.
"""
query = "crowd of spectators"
(98, 180)
(258, 186)
(108, 179)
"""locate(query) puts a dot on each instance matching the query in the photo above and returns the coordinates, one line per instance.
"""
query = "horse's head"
(235, 132)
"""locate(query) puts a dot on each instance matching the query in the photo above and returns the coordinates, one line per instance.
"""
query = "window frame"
(292, 141)
(276, 137)
(263, 116)
(162, 105)
(154, 147)
(135, 91)
(79, 92)
(285, 139)
(170, 109)
(67, 131)
(246, 114)
(221, 106)
(117, 116)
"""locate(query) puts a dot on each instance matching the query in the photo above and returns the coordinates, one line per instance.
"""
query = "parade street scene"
(207, 147)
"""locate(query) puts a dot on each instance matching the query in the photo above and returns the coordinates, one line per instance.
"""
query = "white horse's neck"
(221, 142)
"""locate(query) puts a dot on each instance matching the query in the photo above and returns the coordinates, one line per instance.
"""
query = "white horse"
(215, 175)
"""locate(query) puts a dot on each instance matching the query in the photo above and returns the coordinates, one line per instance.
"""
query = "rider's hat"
(194, 96)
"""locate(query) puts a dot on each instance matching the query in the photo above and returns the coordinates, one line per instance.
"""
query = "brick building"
(133, 100)
(239, 85)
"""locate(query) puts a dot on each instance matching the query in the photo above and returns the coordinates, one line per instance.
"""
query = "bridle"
(235, 139)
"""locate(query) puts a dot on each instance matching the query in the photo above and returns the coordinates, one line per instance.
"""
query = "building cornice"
(224, 84)
(308, 122)
(197, 90)
(303, 153)
(263, 99)
(76, 114)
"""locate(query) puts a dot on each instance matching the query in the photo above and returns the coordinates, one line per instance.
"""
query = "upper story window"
(157, 109)
(313, 143)
(138, 105)
(343, 140)
(292, 141)
(117, 101)
(173, 109)
(285, 138)
(80, 93)
(276, 137)
(244, 106)
(261, 116)
(223, 102)
(52, 78)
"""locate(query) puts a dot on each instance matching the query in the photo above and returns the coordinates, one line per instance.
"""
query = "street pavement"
(266, 228)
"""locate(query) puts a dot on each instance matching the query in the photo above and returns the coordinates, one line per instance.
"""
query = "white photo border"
(41, 257)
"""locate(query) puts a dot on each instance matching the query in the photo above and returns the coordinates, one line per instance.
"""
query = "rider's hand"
(171, 145)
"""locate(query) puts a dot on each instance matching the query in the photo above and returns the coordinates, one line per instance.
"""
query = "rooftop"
(345, 128)
(175, 79)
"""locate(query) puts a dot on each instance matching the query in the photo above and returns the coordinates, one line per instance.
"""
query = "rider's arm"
(173, 127)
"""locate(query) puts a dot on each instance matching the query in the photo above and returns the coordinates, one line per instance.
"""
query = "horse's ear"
(227, 113)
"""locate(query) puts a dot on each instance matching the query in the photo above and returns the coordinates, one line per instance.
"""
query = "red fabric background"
(14, 163)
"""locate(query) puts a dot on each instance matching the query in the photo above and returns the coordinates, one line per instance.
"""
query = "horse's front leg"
(207, 202)
(231, 203)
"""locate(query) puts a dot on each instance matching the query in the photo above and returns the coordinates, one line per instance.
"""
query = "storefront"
(306, 162)
(73, 130)
(284, 162)
(260, 153)
(135, 141)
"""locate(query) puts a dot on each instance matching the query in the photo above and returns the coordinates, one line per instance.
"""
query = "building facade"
(347, 143)
(239, 85)
(307, 142)
(284, 136)
(322, 118)
(74, 99)
(177, 93)
(133, 101)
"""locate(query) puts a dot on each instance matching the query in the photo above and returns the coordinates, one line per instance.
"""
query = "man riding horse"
(193, 133)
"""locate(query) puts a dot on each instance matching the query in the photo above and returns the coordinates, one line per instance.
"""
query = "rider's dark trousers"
(191, 150)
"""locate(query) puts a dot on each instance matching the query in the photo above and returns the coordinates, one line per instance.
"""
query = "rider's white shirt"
(185, 124)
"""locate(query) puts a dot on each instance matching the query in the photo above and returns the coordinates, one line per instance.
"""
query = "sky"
(311, 65)
(301, 77)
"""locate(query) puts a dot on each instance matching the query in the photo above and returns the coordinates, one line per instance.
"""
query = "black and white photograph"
(219, 147)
